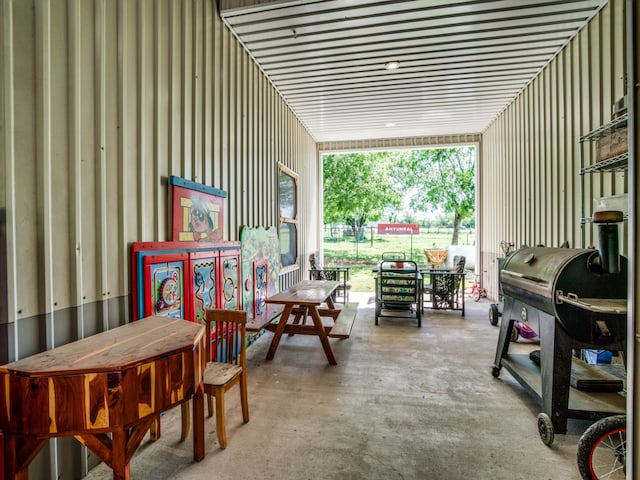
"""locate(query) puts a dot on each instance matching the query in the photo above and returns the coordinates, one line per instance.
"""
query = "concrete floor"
(402, 403)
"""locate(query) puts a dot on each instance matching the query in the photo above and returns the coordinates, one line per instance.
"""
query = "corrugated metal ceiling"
(461, 62)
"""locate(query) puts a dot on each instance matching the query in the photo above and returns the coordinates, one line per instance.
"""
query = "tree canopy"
(357, 187)
(370, 186)
(442, 178)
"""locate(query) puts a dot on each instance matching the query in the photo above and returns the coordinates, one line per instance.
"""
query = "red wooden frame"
(145, 255)
(197, 211)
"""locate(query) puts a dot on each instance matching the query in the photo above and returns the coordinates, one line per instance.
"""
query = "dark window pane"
(288, 244)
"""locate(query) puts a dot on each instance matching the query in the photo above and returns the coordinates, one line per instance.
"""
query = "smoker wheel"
(545, 428)
(514, 334)
(495, 371)
(493, 314)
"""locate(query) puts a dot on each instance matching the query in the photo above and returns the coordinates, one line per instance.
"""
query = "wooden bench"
(343, 323)
(343, 319)
(256, 325)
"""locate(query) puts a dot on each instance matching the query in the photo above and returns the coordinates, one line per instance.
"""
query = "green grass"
(363, 256)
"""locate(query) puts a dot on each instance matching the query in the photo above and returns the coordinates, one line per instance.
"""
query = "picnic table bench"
(343, 319)
(257, 324)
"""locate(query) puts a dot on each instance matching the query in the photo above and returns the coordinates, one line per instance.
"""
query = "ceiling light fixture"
(390, 124)
(393, 65)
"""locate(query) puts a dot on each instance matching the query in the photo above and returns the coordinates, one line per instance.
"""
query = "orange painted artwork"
(198, 211)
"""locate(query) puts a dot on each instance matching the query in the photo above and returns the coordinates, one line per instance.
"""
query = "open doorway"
(407, 201)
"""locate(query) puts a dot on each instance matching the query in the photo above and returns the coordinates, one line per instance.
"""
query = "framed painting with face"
(197, 211)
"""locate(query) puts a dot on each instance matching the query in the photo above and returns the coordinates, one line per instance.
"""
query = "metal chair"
(397, 285)
(446, 287)
(228, 365)
(338, 274)
(444, 290)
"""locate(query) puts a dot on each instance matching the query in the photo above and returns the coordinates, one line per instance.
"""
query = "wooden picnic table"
(305, 299)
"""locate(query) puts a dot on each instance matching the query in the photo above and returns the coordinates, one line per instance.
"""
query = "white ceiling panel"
(461, 62)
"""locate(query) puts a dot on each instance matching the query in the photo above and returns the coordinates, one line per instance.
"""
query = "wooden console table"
(114, 382)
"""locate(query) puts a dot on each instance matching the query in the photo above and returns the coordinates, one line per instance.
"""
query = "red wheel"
(602, 449)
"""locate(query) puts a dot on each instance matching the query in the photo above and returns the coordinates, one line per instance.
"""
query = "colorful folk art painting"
(230, 267)
(204, 286)
(167, 289)
(197, 211)
(260, 287)
(172, 277)
(260, 268)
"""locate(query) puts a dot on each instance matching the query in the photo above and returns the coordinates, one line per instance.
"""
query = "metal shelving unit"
(618, 163)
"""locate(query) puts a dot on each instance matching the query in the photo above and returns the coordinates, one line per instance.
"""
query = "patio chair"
(338, 274)
(397, 286)
(444, 290)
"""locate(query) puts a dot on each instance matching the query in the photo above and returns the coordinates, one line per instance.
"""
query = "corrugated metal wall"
(101, 101)
(531, 153)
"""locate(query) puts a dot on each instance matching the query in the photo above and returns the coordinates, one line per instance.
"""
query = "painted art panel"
(204, 286)
(230, 282)
(197, 211)
(166, 281)
(259, 245)
(261, 280)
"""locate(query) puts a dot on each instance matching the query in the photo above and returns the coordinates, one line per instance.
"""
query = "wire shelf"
(614, 164)
(606, 128)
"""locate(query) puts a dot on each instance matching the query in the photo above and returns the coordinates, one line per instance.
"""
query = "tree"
(358, 187)
(441, 178)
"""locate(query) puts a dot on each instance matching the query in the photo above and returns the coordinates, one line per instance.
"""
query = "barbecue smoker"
(574, 299)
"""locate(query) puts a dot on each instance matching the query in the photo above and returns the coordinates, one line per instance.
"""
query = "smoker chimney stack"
(607, 221)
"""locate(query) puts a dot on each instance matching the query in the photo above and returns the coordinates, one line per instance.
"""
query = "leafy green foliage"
(442, 178)
(357, 187)
(369, 186)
